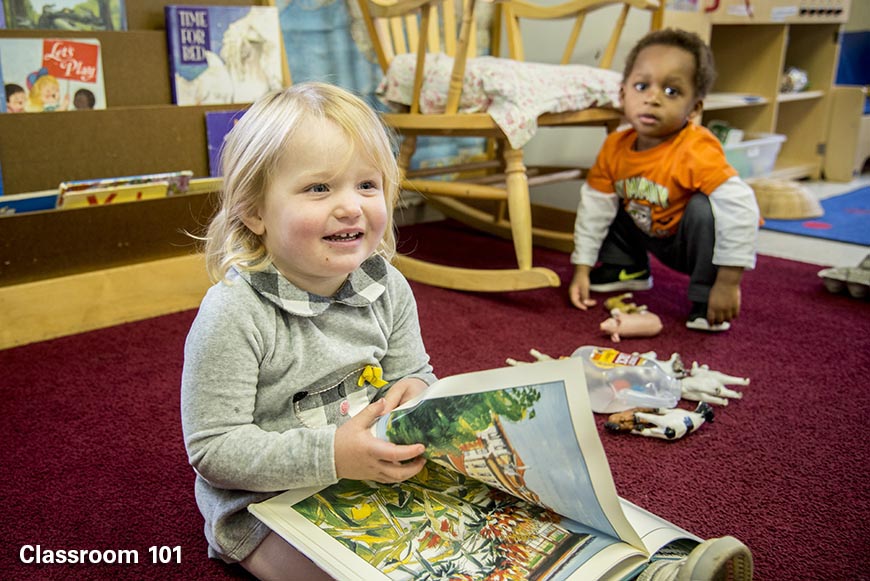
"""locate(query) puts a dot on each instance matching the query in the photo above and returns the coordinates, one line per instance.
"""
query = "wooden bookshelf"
(752, 48)
(67, 271)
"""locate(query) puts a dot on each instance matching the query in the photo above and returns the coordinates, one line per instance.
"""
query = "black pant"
(689, 251)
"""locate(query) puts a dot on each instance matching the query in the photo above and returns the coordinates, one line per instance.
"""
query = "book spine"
(172, 46)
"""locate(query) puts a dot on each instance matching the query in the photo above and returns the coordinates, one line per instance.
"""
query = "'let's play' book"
(517, 486)
(223, 54)
(52, 74)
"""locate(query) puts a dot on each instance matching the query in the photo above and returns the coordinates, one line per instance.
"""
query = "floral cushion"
(514, 93)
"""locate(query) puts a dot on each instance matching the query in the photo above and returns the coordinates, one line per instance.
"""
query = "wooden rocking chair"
(493, 194)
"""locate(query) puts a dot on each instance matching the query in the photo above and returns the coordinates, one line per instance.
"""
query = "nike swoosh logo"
(630, 276)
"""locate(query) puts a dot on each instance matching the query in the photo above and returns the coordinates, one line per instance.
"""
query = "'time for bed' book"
(53, 74)
(223, 54)
(517, 486)
(65, 14)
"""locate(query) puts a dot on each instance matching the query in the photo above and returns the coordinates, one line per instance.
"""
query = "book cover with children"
(64, 14)
(223, 54)
(52, 74)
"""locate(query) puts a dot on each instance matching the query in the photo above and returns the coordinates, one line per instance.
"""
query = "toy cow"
(666, 424)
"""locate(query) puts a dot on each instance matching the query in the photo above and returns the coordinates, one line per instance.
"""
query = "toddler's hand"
(724, 301)
(578, 291)
(403, 390)
(361, 456)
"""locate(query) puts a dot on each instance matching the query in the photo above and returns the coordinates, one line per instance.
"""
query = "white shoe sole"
(701, 324)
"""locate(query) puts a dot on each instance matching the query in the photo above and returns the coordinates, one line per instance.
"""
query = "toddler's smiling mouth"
(345, 237)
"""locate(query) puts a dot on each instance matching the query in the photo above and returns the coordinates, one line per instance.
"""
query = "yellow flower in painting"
(361, 512)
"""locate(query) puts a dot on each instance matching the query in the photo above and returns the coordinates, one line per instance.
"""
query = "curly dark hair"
(705, 69)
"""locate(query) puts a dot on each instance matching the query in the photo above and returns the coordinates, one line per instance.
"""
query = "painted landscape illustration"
(490, 503)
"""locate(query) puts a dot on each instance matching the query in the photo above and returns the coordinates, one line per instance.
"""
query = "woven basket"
(785, 200)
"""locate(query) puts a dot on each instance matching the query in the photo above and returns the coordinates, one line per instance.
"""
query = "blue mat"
(846, 219)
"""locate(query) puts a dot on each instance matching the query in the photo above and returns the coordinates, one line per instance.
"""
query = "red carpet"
(92, 456)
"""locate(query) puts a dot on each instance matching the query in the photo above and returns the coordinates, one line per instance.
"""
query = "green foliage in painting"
(443, 424)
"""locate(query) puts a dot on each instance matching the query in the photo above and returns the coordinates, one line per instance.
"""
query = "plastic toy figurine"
(534, 353)
(706, 385)
(623, 325)
(673, 366)
(618, 304)
(700, 383)
(662, 423)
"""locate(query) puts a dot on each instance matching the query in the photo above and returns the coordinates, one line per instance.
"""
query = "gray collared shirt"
(270, 371)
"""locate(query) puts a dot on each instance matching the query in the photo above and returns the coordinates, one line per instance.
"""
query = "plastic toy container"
(619, 381)
(756, 155)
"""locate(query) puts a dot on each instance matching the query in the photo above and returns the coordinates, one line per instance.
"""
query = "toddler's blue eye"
(319, 188)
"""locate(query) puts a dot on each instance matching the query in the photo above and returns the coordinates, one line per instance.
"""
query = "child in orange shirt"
(664, 186)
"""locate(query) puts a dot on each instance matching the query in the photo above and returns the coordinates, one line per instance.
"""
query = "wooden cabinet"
(752, 48)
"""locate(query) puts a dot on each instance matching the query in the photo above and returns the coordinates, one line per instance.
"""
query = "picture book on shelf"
(29, 202)
(65, 14)
(223, 54)
(217, 125)
(517, 486)
(52, 74)
(117, 190)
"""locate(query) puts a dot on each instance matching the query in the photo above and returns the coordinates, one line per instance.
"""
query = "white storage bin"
(756, 155)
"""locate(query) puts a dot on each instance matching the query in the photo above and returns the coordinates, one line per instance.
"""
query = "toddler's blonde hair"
(256, 145)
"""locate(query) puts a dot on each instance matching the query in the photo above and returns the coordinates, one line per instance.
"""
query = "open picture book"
(517, 486)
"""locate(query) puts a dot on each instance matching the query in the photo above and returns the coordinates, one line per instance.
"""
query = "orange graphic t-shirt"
(655, 185)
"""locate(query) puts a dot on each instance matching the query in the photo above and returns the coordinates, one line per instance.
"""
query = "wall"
(859, 16)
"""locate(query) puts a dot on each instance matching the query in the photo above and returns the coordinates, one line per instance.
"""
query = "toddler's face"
(15, 102)
(325, 211)
(658, 95)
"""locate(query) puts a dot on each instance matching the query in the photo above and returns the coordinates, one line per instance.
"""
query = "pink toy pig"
(620, 325)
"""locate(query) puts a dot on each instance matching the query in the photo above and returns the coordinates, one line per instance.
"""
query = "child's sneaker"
(722, 559)
(698, 320)
(611, 277)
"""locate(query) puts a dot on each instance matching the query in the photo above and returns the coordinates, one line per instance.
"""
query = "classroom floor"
(816, 250)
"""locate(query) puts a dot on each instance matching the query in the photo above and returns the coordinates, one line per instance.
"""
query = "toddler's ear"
(255, 224)
(697, 109)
